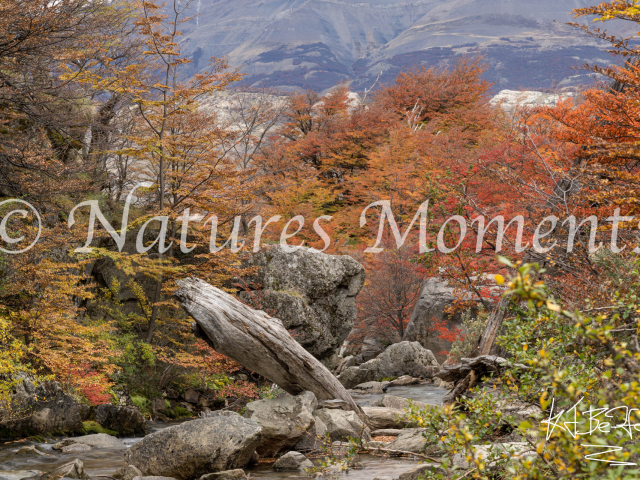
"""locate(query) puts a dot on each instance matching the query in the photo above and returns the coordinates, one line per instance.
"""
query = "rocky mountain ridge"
(316, 44)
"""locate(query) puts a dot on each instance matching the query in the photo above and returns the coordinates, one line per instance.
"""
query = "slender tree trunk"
(154, 310)
(488, 337)
(158, 292)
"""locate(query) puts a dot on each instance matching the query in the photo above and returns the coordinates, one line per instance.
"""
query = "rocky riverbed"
(102, 455)
(287, 436)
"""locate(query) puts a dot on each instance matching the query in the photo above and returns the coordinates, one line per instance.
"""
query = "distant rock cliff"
(509, 100)
(316, 44)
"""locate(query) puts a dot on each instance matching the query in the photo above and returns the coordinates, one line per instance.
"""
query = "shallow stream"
(105, 462)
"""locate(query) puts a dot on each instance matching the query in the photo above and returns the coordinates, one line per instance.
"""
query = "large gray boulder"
(354, 376)
(398, 403)
(314, 294)
(383, 417)
(434, 304)
(197, 447)
(404, 358)
(370, 388)
(314, 438)
(371, 348)
(284, 420)
(292, 461)
(342, 425)
(73, 470)
(121, 419)
(40, 408)
(128, 472)
(410, 440)
(435, 298)
(98, 440)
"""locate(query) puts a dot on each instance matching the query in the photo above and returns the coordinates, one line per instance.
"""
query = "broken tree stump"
(488, 338)
(481, 352)
(258, 342)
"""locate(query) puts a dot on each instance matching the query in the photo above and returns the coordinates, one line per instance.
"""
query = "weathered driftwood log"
(258, 342)
(470, 371)
(483, 366)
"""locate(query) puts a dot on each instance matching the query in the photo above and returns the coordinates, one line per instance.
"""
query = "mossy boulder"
(120, 419)
(312, 293)
(40, 408)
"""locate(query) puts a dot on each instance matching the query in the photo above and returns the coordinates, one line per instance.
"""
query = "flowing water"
(102, 461)
(420, 393)
(373, 467)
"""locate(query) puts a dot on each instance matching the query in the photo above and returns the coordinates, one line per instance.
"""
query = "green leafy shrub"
(138, 366)
(270, 391)
(202, 381)
(13, 364)
(143, 404)
(177, 412)
(583, 366)
(472, 327)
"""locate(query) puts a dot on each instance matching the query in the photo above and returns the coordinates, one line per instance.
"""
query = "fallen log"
(258, 342)
(483, 365)
(470, 371)
(470, 377)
